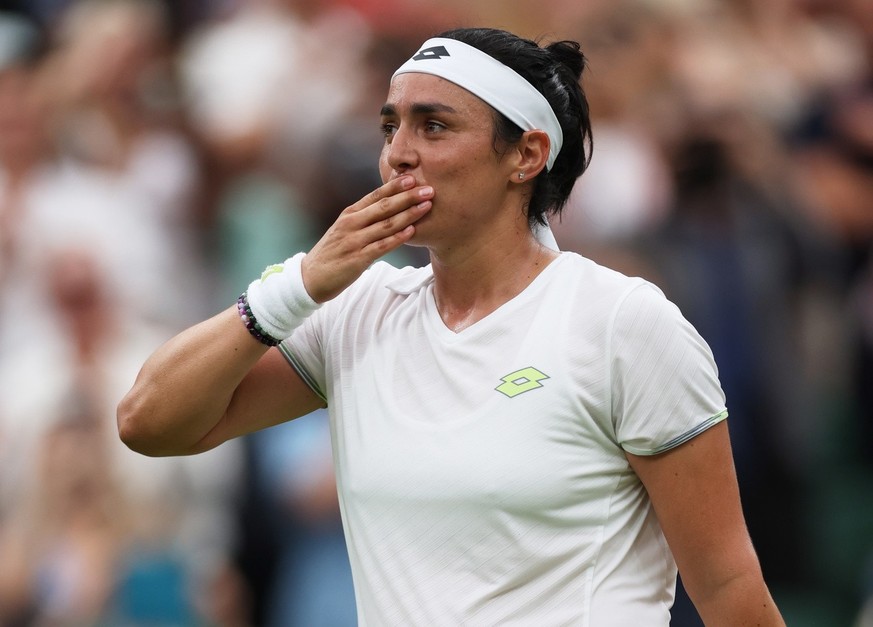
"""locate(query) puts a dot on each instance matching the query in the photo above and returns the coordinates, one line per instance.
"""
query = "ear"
(531, 155)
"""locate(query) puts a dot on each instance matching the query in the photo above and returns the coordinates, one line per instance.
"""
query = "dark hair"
(555, 71)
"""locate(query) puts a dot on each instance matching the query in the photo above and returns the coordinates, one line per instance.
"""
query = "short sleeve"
(664, 380)
(303, 350)
(316, 348)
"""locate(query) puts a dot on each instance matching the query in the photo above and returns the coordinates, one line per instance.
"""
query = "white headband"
(486, 77)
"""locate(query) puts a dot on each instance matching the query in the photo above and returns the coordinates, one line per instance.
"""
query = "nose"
(400, 152)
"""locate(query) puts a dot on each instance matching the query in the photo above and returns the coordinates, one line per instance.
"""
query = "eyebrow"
(419, 108)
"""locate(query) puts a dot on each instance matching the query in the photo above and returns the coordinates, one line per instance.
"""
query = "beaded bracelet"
(251, 323)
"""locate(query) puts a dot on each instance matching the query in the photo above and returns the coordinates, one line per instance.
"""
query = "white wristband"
(279, 300)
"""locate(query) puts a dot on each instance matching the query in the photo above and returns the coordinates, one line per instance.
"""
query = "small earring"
(521, 176)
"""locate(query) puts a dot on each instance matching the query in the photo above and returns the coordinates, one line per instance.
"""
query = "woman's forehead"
(413, 88)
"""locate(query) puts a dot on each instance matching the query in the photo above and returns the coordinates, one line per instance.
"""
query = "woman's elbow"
(129, 419)
(148, 424)
(136, 418)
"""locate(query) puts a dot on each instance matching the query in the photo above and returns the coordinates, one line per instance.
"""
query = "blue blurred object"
(154, 590)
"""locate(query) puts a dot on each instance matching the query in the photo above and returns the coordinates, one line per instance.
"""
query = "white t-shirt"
(482, 475)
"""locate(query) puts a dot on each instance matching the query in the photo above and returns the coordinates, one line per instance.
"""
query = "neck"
(469, 286)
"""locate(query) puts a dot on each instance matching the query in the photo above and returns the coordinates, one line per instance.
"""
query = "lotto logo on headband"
(431, 53)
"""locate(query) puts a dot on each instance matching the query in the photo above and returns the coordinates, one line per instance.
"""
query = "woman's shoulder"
(600, 294)
(588, 274)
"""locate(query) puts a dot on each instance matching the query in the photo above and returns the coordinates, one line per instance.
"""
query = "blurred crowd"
(156, 155)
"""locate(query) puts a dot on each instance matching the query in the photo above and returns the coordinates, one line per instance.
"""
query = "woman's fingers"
(382, 214)
(388, 234)
(391, 215)
(363, 232)
(388, 201)
(391, 188)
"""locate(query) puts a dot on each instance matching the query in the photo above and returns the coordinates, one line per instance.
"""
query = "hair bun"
(568, 54)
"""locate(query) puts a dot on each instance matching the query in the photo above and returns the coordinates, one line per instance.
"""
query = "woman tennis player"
(520, 435)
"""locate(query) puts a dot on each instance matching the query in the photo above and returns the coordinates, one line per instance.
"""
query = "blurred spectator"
(234, 68)
(26, 166)
(770, 58)
(833, 166)
(180, 510)
(61, 543)
(24, 139)
(118, 122)
(240, 73)
(627, 188)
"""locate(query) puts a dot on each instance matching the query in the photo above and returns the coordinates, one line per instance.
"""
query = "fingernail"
(425, 191)
(407, 182)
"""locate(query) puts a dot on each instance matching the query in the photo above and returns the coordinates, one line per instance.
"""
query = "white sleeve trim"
(681, 439)
(301, 370)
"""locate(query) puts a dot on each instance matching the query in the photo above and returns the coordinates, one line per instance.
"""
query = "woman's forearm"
(742, 600)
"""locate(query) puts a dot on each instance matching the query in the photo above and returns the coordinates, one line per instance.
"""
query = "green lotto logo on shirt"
(520, 381)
